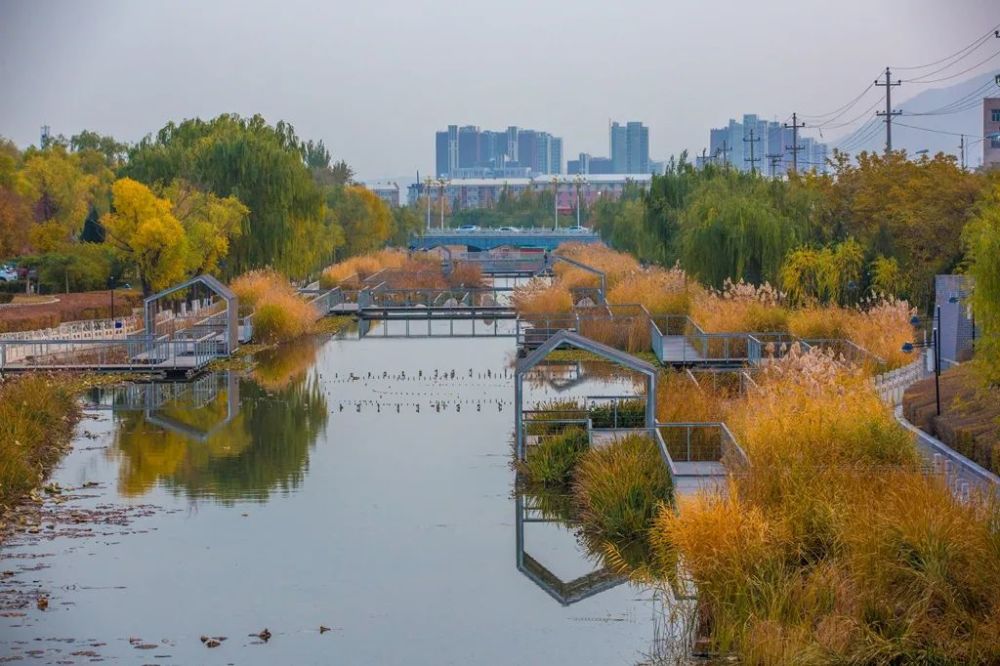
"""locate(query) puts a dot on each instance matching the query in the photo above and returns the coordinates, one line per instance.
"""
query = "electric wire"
(973, 46)
(956, 74)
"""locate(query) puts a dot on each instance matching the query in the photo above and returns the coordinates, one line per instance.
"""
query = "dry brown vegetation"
(37, 416)
(279, 314)
(67, 308)
(833, 546)
(350, 272)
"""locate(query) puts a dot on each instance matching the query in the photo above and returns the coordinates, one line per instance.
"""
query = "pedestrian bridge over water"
(490, 239)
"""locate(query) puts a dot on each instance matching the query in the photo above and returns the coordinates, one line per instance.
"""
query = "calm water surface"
(361, 485)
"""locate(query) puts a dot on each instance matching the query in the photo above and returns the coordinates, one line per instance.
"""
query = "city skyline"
(346, 86)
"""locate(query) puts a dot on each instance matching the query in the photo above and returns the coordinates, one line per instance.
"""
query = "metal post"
(555, 203)
(518, 416)
(441, 201)
(578, 205)
(428, 183)
(937, 359)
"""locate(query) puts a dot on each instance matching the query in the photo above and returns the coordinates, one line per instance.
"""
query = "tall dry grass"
(740, 308)
(833, 546)
(662, 292)
(37, 416)
(252, 286)
(880, 326)
(626, 332)
(279, 313)
(615, 265)
(679, 399)
(538, 297)
(350, 272)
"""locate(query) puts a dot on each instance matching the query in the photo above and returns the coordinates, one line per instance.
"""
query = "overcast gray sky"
(374, 80)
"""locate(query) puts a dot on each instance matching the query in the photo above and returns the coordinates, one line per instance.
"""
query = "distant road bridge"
(490, 239)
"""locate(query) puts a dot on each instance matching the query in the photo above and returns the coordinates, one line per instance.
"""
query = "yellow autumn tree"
(365, 219)
(60, 194)
(210, 223)
(145, 233)
(184, 232)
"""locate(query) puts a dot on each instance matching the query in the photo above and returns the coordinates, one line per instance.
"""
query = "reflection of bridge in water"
(153, 399)
(565, 592)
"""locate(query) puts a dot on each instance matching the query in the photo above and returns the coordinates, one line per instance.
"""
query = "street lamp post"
(427, 193)
(937, 358)
(576, 181)
(935, 345)
(441, 184)
(555, 202)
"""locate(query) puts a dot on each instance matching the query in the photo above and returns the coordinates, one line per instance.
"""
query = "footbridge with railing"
(183, 329)
(489, 239)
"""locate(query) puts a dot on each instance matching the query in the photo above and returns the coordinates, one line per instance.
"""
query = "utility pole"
(795, 147)
(888, 113)
(555, 202)
(753, 160)
(773, 159)
(961, 148)
(725, 151)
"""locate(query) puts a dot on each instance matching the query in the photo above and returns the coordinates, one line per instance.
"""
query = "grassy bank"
(37, 416)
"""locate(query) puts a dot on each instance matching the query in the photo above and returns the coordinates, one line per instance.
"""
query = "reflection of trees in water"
(277, 368)
(266, 446)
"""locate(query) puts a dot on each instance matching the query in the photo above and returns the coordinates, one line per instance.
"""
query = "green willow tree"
(261, 165)
(735, 227)
(982, 242)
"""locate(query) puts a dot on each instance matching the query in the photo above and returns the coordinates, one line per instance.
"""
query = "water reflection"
(555, 509)
(249, 438)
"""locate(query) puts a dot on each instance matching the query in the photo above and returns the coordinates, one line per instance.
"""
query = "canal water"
(357, 485)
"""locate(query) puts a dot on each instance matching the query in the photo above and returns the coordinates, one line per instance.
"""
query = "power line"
(958, 105)
(963, 52)
(855, 118)
(859, 137)
(839, 111)
(957, 74)
(850, 138)
(937, 131)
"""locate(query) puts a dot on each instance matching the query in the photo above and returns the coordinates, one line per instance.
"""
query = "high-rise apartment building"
(772, 152)
(587, 164)
(629, 146)
(468, 152)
